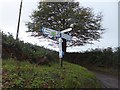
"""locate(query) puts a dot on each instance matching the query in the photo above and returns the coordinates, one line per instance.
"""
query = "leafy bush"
(19, 50)
(97, 57)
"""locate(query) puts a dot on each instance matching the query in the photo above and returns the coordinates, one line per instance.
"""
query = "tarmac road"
(108, 81)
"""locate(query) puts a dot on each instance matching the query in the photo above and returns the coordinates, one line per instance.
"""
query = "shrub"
(25, 51)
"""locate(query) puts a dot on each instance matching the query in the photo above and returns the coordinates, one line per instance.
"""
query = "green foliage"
(34, 76)
(19, 50)
(98, 57)
(61, 15)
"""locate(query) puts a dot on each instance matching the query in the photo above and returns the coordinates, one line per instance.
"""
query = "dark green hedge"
(98, 57)
(19, 50)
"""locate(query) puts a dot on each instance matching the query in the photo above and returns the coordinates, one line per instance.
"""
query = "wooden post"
(19, 20)
(18, 65)
(61, 63)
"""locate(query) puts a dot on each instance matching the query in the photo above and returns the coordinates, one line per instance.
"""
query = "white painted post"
(60, 48)
(60, 51)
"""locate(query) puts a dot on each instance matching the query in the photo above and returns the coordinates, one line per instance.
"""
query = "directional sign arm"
(50, 32)
(67, 37)
(66, 30)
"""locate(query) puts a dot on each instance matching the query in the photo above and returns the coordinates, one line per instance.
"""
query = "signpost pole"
(61, 63)
(60, 51)
(64, 46)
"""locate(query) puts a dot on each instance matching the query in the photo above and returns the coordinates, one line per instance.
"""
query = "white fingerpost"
(60, 48)
(61, 35)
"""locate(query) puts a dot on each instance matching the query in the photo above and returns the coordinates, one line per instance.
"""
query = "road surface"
(108, 81)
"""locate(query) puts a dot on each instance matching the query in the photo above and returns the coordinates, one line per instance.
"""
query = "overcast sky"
(9, 11)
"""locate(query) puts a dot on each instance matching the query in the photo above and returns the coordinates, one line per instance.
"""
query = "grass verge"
(25, 75)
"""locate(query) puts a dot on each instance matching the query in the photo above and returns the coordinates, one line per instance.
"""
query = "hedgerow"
(19, 50)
